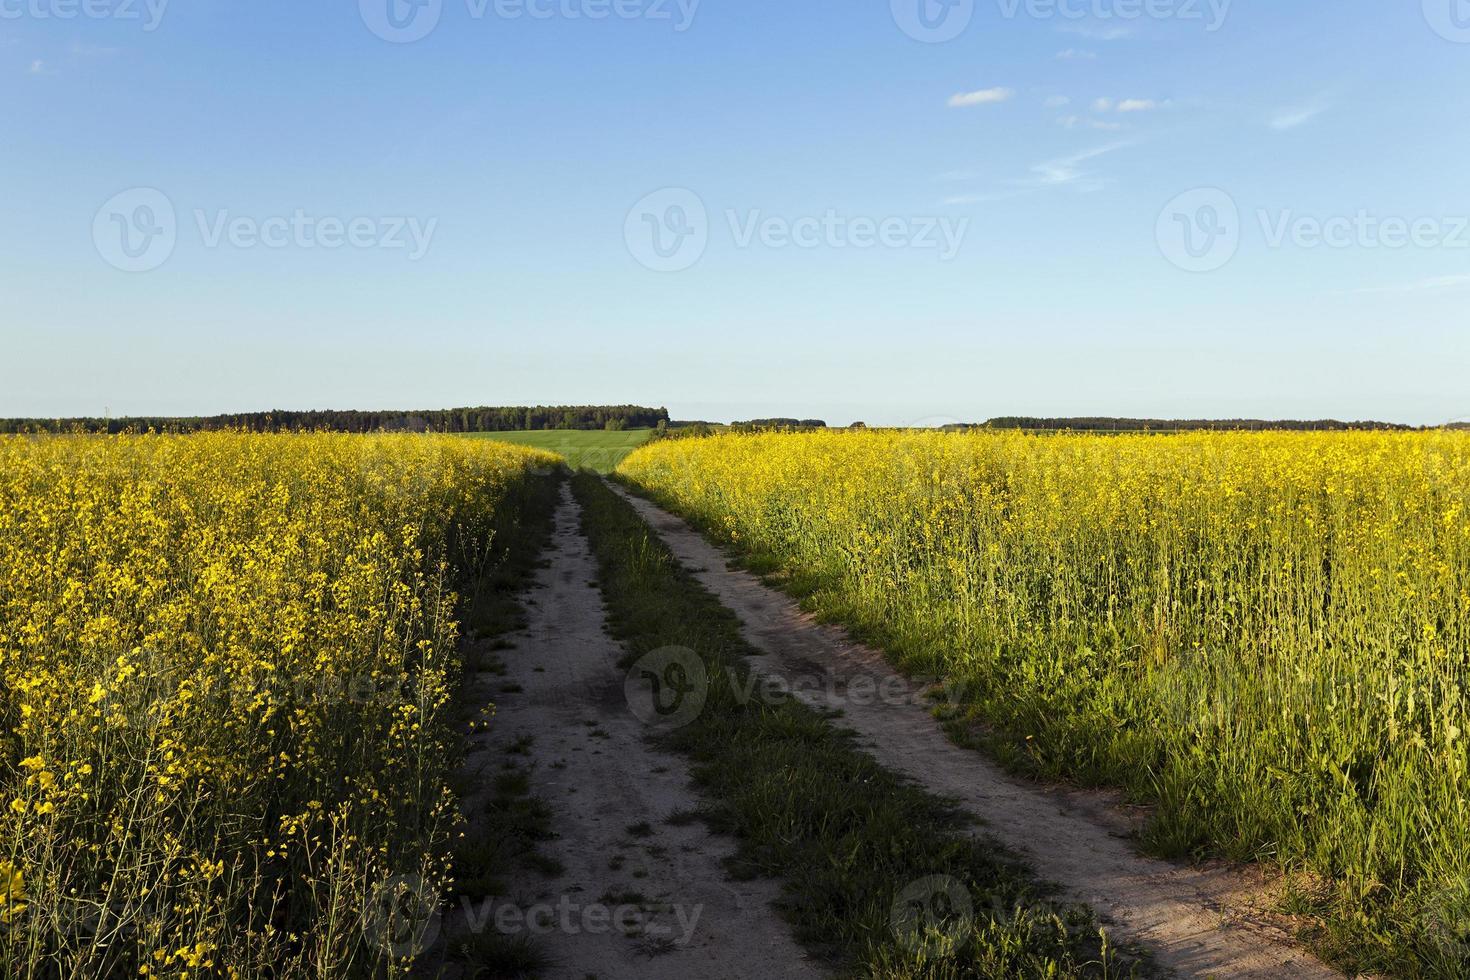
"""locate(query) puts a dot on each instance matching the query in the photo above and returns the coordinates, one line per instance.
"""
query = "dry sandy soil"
(1199, 922)
(639, 898)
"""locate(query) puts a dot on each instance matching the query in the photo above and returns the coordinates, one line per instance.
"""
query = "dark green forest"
(484, 419)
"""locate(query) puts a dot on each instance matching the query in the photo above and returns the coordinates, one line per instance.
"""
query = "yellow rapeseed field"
(1265, 635)
(225, 664)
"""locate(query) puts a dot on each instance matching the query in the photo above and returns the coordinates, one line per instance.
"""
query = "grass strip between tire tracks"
(880, 878)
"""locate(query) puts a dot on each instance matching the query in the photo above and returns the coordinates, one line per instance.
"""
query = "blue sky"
(1211, 209)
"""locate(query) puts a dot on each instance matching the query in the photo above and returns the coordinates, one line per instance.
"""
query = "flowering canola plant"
(1267, 636)
(226, 663)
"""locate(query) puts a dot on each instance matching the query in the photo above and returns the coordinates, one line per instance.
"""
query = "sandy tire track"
(592, 762)
(1199, 922)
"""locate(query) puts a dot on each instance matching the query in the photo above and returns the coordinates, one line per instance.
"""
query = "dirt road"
(639, 898)
(1199, 922)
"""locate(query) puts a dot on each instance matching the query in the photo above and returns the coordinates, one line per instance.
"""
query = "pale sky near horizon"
(901, 211)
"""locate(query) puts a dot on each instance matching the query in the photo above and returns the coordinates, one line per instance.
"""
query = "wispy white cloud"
(1294, 116)
(1063, 172)
(1068, 171)
(38, 67)
(1057, 101)
(986, 96)
(1075, 54)
(1130, 105)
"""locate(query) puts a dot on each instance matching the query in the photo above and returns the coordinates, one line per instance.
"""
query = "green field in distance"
(593, 450)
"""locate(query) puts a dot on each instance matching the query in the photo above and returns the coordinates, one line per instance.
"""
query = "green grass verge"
(593, 450)
(869, 862)
(1354, 931)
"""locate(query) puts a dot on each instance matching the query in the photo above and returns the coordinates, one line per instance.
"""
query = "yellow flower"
(169, 600)
(1257, 610)
(12, 891)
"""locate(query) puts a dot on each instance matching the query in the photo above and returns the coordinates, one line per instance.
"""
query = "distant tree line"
(585, 417)
(699, 430)
(1178, 425)
(685, 430)
(762, 424)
